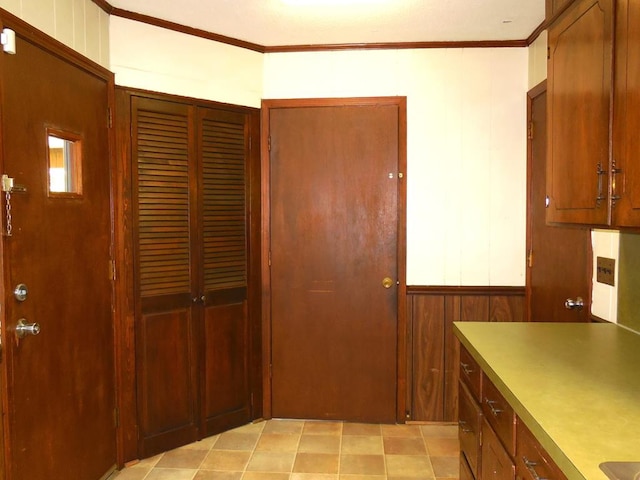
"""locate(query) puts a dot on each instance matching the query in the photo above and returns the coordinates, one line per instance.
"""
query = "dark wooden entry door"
(559, 257)
(60, 383)
(334, 239)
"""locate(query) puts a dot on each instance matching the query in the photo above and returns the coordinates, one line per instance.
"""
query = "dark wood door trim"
(532, 94)
(267, 106)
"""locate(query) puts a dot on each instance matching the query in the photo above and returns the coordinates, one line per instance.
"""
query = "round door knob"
(572, 304)
(387, 282)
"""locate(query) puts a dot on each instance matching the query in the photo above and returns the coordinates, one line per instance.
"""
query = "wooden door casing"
(345, 401)
(580, 70)
(549, 247)
(58, 387)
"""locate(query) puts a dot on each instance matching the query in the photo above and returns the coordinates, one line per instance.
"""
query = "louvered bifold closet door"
(166, 281)
(223, 149)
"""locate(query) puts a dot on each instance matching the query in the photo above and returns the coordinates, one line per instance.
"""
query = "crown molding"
(157, 22)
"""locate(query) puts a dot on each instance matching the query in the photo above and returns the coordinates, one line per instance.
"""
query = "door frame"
(117, 253)
(267, 106)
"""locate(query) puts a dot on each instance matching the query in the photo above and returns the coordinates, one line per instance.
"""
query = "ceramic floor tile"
(310, 450)
(182, 458)
(275, 462)
(409, 466)
(439, 431)
(171, 474)
(362, 444)
(265, 476)
(442, 447)
(319, 444)
(322, 428)
(363, 477)
(236, 441)
(361, 429)
(132, 473)
(226, 460)
(362, 464)
(211, 475)
(314, 476)
(284, 426)
(316, 463)
(446, 467)
(278, 442)
(404, 446)
(401, 431)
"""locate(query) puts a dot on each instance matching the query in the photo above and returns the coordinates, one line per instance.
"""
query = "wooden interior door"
(166, 280)
(223, 153)
(60, 383)
(560, 258)
(334, 239)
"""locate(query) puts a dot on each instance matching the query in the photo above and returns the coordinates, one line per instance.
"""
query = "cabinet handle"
(531, 466)
(494, 411)
(614, 189)
(601, 173)
(466, 369)
(463, 427)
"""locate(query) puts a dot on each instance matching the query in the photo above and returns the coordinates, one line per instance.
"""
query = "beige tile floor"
(308, 450)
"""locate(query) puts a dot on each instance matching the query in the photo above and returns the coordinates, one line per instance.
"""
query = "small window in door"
(65, 163)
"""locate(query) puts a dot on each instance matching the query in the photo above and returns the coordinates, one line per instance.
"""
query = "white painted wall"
(466, 143)
(605, 243)
(153, 58)
(79, 24)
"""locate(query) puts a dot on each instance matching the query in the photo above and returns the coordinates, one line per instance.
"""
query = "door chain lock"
(8, 187)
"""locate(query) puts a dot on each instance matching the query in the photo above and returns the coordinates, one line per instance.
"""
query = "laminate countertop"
(575, 385)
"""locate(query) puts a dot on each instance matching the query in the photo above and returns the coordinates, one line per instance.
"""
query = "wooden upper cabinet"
(555, 7)
(580, 71)
(626, 139)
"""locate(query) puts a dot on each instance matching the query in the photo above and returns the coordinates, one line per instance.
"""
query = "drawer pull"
(494, 411)
(466, 369)
(531, 466)
(463, 427)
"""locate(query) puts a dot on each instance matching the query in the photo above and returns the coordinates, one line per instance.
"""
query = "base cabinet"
(494, 443)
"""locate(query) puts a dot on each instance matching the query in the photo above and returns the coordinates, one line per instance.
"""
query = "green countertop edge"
(556, 453)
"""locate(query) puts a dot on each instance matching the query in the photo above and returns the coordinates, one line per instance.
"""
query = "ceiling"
(319, 22)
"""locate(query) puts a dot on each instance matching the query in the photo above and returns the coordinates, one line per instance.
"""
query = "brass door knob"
(387, 282)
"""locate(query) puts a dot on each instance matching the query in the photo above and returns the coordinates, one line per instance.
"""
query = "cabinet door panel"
(627, 119)
(496, 463)
(470, 424)
(579, 104)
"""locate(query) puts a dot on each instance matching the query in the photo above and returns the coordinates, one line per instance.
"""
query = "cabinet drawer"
(532, 461)
(469, 424)
(496, 462)
(499, 414)
(470, 373)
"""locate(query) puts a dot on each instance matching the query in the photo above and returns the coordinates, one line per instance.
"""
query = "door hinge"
(269, 257)
(548, 53)
(109, 117)
(269, 143)
(530, 131)
(530, 259)
(116, 417)
(271, 370)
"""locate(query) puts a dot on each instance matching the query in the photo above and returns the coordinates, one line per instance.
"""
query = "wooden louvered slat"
(224, 205)
(163, 203)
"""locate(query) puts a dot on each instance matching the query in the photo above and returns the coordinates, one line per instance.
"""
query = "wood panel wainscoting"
(432, 352)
